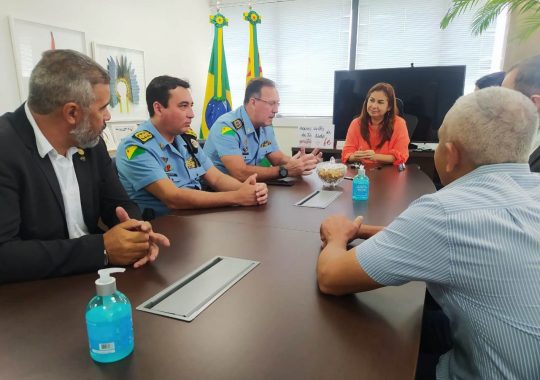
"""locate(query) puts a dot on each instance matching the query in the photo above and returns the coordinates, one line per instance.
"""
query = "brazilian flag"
(217, 99)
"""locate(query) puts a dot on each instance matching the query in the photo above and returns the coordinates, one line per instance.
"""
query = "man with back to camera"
(242, 142)
(525, 78)
(57, 179)
(475, 242)
(161, 165)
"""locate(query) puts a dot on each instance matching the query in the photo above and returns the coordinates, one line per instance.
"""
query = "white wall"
(175, 36)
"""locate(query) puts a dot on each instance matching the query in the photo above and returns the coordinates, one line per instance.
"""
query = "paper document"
(319, 199)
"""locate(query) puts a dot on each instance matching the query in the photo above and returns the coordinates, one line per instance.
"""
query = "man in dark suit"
(525, 78)
(57, 180)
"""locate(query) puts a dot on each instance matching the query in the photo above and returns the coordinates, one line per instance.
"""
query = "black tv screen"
(426, 92)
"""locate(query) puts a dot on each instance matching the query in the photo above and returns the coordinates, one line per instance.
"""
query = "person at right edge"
(475, 243)
(525, 78)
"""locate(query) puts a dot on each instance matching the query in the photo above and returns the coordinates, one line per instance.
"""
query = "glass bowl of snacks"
(331, 172)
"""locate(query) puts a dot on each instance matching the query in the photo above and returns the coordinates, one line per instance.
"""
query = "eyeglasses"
(271, 104)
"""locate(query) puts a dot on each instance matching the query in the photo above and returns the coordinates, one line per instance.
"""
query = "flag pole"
(217, 99)
(254, 67)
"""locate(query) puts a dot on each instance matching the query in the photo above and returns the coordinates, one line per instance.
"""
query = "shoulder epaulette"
(143, 136)
(238, 123)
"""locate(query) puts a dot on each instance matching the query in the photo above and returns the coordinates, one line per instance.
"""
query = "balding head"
(493, 125)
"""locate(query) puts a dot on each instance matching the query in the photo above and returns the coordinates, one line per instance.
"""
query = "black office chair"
(410, 120)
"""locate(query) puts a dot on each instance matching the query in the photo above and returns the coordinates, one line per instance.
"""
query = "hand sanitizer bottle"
(108, 320)
(360, 185)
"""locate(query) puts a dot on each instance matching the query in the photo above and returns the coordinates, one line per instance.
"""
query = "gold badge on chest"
(191, 163)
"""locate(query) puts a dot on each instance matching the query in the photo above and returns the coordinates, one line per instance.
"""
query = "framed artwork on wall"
(126, 69)
(30, 39)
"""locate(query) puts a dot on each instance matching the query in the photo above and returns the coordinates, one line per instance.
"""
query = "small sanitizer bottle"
(108, 320)
(360, 185)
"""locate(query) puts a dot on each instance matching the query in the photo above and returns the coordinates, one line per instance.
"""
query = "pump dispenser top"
(105, 284)
(361, 170)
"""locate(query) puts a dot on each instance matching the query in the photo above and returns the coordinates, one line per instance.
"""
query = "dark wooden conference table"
(272, 324)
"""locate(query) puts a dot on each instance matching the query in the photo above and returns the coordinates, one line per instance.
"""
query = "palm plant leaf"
(458, 7)
(491, 9)
(485, 16)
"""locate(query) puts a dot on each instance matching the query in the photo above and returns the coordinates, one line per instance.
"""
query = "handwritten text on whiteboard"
(321, 136)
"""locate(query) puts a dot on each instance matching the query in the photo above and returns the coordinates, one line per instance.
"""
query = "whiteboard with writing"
(316, 136)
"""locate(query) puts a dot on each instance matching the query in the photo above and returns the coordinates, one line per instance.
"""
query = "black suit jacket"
(534, 160)
(34, 239)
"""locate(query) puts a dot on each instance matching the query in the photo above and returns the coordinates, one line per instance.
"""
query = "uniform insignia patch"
(227, 131)
(168, 167)
(133, 151)
(191, 163)
(143, 136)
(266, 143)
(238, 123)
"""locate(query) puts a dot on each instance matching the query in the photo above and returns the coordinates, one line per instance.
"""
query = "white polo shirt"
(67, 179)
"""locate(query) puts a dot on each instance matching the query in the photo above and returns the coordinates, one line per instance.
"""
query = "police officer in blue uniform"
(242, 142)
(234, 134)
(161, 165)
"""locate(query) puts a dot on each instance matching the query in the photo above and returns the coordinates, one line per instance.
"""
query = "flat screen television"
(426, 92)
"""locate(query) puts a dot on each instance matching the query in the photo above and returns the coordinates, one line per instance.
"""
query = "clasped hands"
(252, 193)
(132, 241)
(362, 155)
(340, 230)
(303, 163)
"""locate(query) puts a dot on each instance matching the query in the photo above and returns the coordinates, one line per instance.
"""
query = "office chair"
(410, 120)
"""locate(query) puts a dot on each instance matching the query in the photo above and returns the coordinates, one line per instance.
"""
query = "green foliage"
(488, 12)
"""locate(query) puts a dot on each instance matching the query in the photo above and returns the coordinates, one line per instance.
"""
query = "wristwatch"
(283, 172)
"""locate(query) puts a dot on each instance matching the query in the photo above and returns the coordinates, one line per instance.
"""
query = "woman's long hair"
(387, 127)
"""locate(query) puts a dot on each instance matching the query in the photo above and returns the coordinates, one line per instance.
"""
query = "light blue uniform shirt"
(476, 244)
(234, 134)
(145, 157)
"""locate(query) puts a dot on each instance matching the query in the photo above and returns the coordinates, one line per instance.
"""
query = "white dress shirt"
(67, 179)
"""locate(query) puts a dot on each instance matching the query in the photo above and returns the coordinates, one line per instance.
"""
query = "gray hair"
(63, 76)
(527, 79)
(493, 125)
(254, 87)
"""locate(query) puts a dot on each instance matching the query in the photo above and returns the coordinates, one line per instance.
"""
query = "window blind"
(302, 43)
(391, 34)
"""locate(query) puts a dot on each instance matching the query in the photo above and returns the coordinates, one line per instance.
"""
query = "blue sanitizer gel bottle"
(360, 185)
(108, 320)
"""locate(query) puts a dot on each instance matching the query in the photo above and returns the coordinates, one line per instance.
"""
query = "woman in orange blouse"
(379, 135)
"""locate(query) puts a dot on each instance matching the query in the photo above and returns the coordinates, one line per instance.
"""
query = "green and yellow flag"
(217, 99)
(254, 68)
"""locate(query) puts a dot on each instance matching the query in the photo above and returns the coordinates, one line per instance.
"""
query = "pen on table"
(308, 198)
(349, 178)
